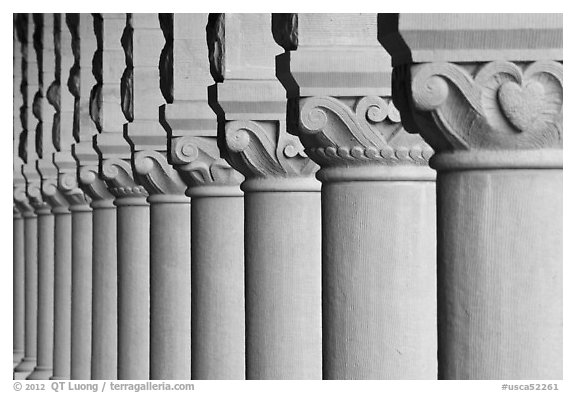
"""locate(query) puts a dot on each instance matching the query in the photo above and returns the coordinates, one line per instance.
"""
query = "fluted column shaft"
(27, 364)
(104, 291)
(45, 340)
(81, 333)
(62, 294)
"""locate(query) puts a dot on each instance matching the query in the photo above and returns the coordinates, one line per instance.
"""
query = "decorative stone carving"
(485, 90)
(198, 160)
(492, 106)
(157, 176)
(377, 198)
(357, 132)
(118, 176)
(265, 149)
(189, 121)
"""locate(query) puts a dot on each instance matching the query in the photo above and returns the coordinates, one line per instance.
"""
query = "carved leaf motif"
(90, 181)
(266, 149)
(368, 132)
(197, 158)
(502, 106)
(118, 175)
(157, 175)
(52, 195)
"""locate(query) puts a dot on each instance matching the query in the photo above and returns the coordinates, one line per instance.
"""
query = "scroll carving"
(34, 193)
(52, 194)
(497, 106)
(264, 148)
(156, 174)
(21, 199)
(91, 183)
(362, 131)
(198, 160)
(118, 175)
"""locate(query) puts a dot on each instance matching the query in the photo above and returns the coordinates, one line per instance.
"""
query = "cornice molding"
(498, 105)
(358, 131)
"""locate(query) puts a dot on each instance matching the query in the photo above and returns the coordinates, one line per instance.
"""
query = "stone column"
(170, 285)
(47, 142)
(83, 48)
(21, 205)
(68, 187)
(217, 205)
(18, 287)
(378, 197)
(19, 273)
(104, 348)
(489, 101)
(281, 203)
(29, 155)
(132, 210)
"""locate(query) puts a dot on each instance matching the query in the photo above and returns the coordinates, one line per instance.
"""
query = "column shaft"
(379, 301)
(81, 292)
(18, 290)
(45, 321)
(283, 278)
(62, 295)
(133, 236)
(104, 292)
(218, 327)
(170, 290)
(30, 297)
(500, 274)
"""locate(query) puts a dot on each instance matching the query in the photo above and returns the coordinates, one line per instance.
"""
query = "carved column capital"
(360, 137)
(263, 149)
(487, 107)
(340, 99)
(200, 165)
(189, 121)
(21, 200)
(480, 95)
(253, 105)
(162, 182)
(118, 176)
